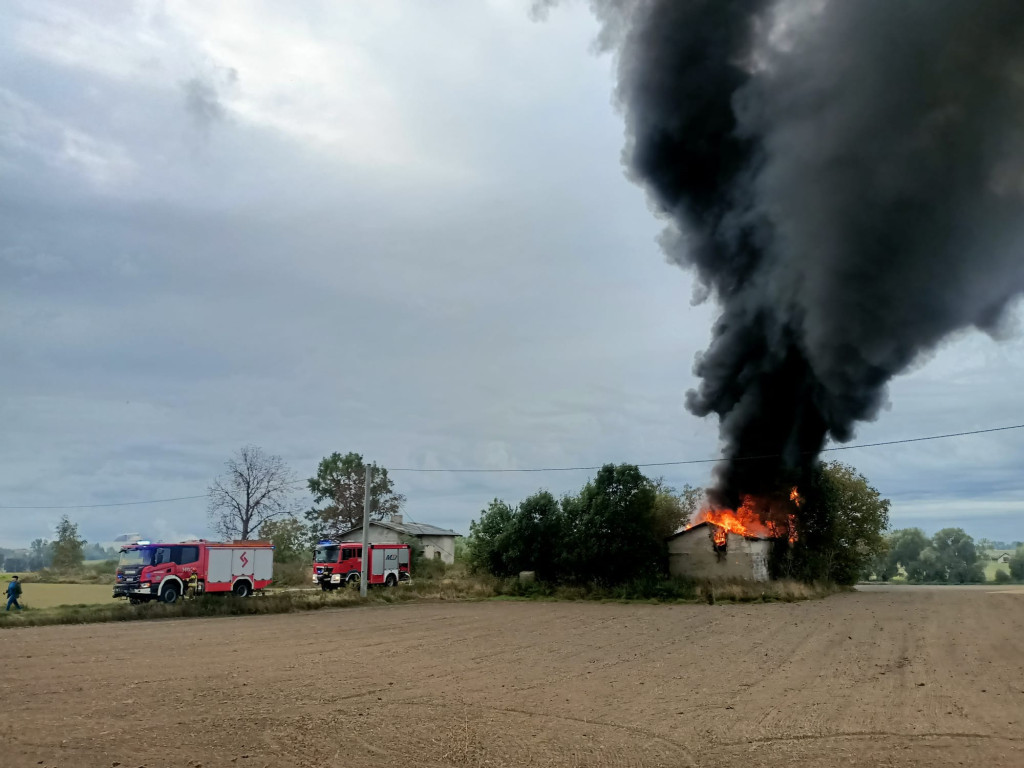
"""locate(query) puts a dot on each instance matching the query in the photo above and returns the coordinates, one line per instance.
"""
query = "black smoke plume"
(846, 178)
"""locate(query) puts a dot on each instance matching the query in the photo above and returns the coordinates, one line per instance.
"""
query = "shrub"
(293, 574)
(1017, 564)
(608, 533)
(1003, 577)
(428, 568)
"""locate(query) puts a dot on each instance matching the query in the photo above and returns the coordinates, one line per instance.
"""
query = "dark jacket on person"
(14, 589)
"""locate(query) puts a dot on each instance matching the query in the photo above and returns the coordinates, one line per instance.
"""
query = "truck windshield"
(142, 556)
(326, 555)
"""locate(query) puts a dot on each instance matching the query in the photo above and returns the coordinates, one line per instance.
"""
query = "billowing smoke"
(846, 178)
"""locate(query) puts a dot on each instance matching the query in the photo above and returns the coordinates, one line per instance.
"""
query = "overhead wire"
(717, 458)
(504, 470)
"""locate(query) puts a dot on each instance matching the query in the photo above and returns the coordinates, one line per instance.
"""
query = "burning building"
(709, 551)
(735, 543)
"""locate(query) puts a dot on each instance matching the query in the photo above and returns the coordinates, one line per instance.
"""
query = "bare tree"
(254, 489)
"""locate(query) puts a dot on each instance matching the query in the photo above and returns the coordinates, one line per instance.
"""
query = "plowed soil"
(892, 678)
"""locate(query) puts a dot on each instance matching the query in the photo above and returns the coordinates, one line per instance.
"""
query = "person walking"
(13, 593)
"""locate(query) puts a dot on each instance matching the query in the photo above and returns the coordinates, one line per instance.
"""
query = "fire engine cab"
(338, 564)
(147, 571)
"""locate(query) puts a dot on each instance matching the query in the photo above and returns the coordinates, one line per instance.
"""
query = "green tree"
(928, 567)
(68, 547)
(956, 557)
(339, 487)
(1017, 564)
(462, 550)
(880, 567)
(612, 532)
(255, 488)
(673, 509)
(840, 528)
(610, 535)
(535, 536)
(291, 539)
(488, 543)
(905, 548)
(41, 555)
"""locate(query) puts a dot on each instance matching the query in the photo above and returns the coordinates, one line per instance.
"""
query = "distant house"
(707, 551)
(435, 543)
(1003, 557)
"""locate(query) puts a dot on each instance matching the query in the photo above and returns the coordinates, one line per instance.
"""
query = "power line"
(129, 503)
(481, 470)
(115, 504)
(718, 458)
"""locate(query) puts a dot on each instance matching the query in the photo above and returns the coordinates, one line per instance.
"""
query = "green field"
(991, 566)
(51, 595)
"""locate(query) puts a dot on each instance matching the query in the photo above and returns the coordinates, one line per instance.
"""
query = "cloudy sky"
(396, 228)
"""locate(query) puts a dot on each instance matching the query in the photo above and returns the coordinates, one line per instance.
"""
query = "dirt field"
(879, 678)
(51, 595)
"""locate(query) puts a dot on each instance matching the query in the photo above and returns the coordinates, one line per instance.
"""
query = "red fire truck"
(148, 571)
(338, 564)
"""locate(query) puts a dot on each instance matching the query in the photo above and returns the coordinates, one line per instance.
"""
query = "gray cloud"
(203, 99)
(202, 102)
(457, 274)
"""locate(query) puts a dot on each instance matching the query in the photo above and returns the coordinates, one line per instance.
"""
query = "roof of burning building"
(708, 523)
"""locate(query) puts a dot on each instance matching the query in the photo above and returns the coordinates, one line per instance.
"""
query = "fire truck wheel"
(353, 580)
(169, 594)
(241, 589)
(390, 581)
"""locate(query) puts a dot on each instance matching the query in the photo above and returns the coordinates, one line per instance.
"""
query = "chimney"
(396, 518)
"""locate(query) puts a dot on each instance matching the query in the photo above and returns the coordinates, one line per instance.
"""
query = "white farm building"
(435, 543)
(707, 551)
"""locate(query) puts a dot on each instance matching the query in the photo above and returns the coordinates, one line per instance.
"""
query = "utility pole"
(364, 573)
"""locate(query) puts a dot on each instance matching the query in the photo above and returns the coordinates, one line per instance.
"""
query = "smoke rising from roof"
(847, 181)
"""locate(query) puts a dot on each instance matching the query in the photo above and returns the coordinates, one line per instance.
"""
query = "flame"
(743, 520)
(754, 517)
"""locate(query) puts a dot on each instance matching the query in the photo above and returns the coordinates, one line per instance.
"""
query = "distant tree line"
(950, 556)
(67, 552)
(614, 530)
(611, 532)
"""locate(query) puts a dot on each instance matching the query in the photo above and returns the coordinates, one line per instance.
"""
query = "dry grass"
(92, 572)
(456, 584)
(284, 601)
(785, 590)
(673, 591)
(39, 595)
(460, 745)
